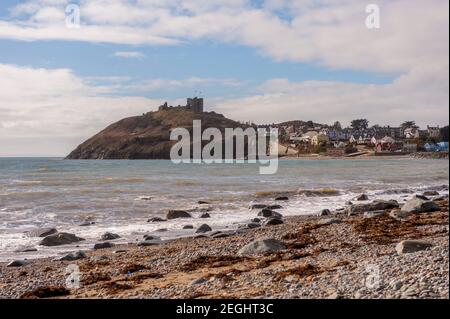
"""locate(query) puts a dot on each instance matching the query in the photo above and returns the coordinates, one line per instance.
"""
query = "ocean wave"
(319, 192)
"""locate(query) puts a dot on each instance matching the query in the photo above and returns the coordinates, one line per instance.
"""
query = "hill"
(146, 136)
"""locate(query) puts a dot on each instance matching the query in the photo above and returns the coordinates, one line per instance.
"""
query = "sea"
(119, 196)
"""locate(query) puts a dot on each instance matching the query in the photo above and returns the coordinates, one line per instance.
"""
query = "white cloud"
(331, 33)
(410, 97)
(129, 54)
(41, 104)
(172, 84)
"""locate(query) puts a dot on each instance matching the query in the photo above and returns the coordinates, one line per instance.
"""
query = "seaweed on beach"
(301, 238)
(94, 277)
(211, 261)
(46, 292)
(384, 229)
(132, 268)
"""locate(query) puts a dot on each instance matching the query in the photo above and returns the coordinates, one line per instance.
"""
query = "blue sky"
(205, 59)
(263, 61)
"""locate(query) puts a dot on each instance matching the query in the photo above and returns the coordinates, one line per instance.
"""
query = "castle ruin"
(195, 104)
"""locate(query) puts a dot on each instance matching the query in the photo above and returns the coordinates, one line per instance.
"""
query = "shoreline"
(323, 257)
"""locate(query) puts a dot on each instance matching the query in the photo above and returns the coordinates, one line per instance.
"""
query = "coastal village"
(299, 138)
(359, 139)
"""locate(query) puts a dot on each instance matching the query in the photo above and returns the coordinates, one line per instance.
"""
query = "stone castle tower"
(195, 104)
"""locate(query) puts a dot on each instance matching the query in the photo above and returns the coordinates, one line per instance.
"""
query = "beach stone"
(221, 234)
(255, 220)
(419, 205)
(258, 206)
(198, 281)
(109, 236)
(269, 213)
(156, 220)
(41, 232)
(71, 256)
(18, 263)
(103, 245)
(411, 246)
(328, 221)
(325, 212)
(25, 249)
(253, 225)
(84, 224)
(188, 227)
(205, 215)
(362, 197)
(201, 202)
(151, 237)
(261, 246)
(375, 205)
(348, 203)
(203, 229)
(431, 193)
(273, 221)
(275, 206)
(282, 198)
(374, 213)
(60, 239)
(173, 214)
(161, 230)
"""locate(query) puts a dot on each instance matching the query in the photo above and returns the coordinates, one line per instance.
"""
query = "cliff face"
(146, 136)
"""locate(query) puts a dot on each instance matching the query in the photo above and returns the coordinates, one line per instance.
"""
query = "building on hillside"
(411, 133)
(433, 131)
(319, 139)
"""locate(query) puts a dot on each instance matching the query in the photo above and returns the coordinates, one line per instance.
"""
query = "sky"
(263, 61)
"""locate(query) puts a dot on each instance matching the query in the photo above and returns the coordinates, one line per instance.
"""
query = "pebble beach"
(368, 249)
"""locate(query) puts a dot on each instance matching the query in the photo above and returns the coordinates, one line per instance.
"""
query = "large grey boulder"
(60, 239)
(362, 197)
(375, 205)
(272, 221)
(173, 214)
(411, 246)
(109, 236)
(71, 256)
(103, 245)
(261, 246)
(203, 229)
(18, 263)
(41, 232)
(269, 213)
(419, 205)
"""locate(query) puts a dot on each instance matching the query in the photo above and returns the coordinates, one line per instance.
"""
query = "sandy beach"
(344, 254)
